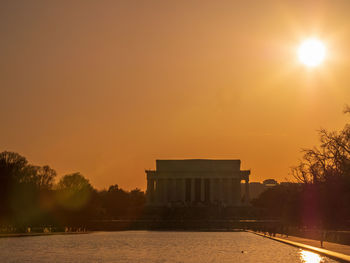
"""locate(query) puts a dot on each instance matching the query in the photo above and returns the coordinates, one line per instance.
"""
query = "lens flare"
(310, 257)
(312, 52)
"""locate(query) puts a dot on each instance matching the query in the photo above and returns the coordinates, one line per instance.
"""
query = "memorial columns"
(168, 190)
(211, 191)
(183, 197)
(202, 189)
(217, 190)
(226, 190)
(177, 189)
(194, 181)
(221, 190)
(180, 189)
(236, 192)
(173, 190)
(193, 194)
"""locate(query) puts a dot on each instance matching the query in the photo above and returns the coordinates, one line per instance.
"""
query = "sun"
(312, 52)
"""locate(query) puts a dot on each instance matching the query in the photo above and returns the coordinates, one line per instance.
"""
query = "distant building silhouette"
(197, 182)
(257, 188)
(289, 183)
(270, 183)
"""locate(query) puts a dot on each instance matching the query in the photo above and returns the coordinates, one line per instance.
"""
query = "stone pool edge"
(326, 252)
(36, 234)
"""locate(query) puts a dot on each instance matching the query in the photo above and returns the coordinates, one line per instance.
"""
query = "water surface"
(153, 247)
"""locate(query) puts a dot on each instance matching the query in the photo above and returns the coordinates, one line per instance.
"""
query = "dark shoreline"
(7, 235)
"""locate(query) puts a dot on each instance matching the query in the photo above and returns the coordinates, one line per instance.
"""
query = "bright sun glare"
(312, 52)
(310, 257)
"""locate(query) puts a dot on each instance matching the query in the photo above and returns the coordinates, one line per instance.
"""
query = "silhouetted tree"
(74, 191)
(280, 202)
(117, 201)
(325, 174)
(329, 160)
(322, 196)
(22, 188)
(41, 177)
(12, 167)
(137, 198)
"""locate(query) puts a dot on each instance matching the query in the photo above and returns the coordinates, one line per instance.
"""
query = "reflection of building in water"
(197, 181)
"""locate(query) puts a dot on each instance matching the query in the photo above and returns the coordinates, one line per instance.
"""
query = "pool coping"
(36, 234)
(326, 252)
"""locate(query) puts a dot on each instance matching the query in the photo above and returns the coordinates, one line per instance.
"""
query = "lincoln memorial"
(197, 181)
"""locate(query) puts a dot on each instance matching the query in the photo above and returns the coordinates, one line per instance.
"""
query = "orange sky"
(107, 87)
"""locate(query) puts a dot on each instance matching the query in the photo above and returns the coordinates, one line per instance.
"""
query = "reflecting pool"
(153, 246)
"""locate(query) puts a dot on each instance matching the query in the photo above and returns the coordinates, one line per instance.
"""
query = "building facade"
(197, 181)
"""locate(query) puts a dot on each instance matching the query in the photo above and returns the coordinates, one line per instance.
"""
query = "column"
(217, 190)
(173, 189)
(183, 198)
(247, 197)
(168, 190)
(207, 192)
(225, 190)
(236, 194)
(179, 189)
(193, 196)
(221, 191)
(202, 189)
(188, 190)
(176, 189)
(212, 193)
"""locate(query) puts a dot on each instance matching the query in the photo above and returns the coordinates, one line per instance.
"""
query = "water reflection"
(310, 257)
(153, 247)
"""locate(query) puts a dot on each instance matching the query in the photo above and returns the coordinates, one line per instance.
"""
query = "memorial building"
(197, 182)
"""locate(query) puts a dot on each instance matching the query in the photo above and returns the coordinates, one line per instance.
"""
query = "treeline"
(29, 197)
(322, 197)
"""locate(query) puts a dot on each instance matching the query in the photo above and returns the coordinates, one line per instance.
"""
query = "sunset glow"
(174, 131)
(106, 89)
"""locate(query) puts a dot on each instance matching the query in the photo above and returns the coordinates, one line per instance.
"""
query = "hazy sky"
(108, 87)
